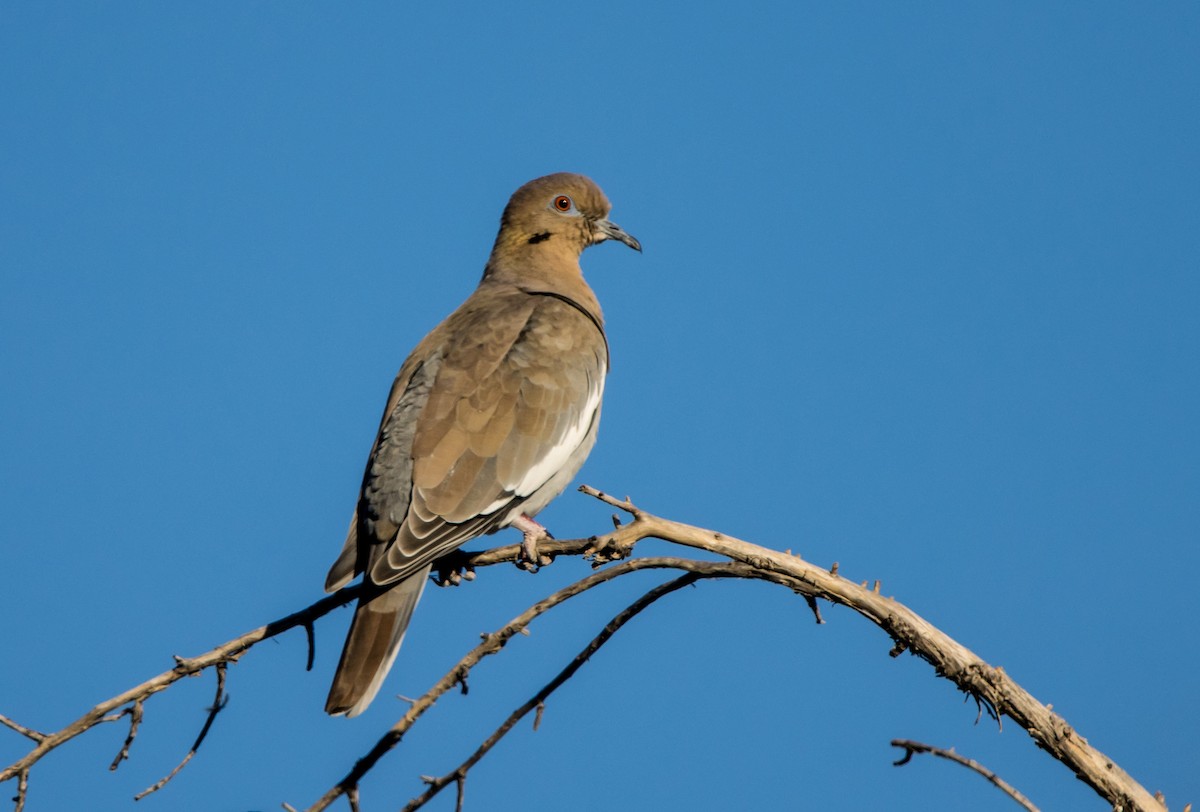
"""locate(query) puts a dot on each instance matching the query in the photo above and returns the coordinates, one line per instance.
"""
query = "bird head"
(563, 211)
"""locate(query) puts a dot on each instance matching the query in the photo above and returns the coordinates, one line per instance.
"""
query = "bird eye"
(563, 203)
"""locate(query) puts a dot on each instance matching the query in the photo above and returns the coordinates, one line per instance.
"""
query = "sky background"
(920, 295)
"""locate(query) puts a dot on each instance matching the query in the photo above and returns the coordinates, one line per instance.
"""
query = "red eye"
(563, 203)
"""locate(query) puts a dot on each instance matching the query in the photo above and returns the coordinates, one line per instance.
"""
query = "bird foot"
(452, 569)
(531, 559)
(604, 549)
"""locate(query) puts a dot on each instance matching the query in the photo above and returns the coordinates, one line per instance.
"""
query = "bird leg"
(530, 558)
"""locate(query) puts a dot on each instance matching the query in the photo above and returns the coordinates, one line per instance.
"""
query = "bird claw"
(452, 569)
(604, 549)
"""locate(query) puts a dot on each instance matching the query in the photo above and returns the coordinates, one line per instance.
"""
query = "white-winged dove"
(488, 420)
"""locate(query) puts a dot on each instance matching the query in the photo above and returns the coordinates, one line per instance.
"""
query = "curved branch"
(218, 705)
(950, 659)
(991, 687)
(494, 642)
(459, 774)
(134, 698)
(911, 747)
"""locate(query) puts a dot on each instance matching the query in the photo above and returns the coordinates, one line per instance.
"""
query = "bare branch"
(218, 705)
(911, 747)
(28, 733)
(988, 685)
(22, 789)
(459, 774)
(224, 653)
(311, 635)
(493, 643)
(135, 719)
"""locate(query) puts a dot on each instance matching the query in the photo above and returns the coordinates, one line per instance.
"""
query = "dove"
(488, 420)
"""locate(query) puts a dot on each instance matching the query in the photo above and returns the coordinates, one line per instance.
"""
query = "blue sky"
(919, 295)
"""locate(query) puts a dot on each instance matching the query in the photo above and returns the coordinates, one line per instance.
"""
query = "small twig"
(224, 653)
(911, 747)
(27, 732)
(217, 706)
(22, 789)
(624, 504)
(982, 703)
(135, 719)
(311, 635)
(816, 610)
(536, 701)
(462, 791)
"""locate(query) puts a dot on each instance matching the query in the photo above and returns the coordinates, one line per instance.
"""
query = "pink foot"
(531, 559)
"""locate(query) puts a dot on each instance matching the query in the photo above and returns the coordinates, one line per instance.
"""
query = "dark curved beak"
(608, 230)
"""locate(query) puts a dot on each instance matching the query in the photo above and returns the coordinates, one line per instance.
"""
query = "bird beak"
(607, 229)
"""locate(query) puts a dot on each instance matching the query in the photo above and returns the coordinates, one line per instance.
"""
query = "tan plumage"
(488, 420)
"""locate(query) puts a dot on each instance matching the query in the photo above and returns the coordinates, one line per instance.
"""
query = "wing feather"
(515, 395)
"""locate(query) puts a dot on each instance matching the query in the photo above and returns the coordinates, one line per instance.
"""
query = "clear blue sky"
(920, 295)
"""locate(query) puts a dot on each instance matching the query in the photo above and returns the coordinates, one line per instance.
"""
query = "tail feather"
(343, 570)
(372, 644)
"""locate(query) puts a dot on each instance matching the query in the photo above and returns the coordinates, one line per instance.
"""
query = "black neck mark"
(590, 316)
(537, 238)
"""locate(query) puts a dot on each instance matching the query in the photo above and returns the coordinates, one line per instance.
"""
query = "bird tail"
(374, 639)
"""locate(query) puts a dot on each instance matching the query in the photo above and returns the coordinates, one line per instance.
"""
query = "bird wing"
(493, 405)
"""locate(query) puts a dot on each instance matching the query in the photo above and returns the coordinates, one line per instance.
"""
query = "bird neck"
(543, 267)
